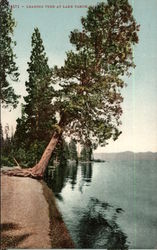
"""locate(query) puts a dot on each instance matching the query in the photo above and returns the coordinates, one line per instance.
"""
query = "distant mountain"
(128, 155)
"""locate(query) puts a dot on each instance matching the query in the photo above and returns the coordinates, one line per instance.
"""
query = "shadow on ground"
(8, 239)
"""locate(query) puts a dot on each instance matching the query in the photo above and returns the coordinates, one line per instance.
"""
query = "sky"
(139, 119)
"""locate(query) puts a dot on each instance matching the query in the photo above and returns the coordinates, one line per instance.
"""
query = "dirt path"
(24, 213)
(29, 216)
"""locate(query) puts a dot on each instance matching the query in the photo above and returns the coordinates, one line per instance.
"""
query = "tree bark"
(39, 169)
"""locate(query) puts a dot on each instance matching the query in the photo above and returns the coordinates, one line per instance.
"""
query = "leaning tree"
(88, 102)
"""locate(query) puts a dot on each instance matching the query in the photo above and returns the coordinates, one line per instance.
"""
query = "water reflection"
(100, 222)
(86, 175)
(94, 223)
(57, 177)
(86, 171)
(98, 227)
(72, 174)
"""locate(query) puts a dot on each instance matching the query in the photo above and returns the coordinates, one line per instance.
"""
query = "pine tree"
(1, 141)
(7, 145)
(20, 139)
(8, 68)
(35, 126)
(38, 108)
(62, 151)
(89, 100)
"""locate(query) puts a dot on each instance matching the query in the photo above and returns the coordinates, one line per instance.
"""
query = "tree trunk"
(39, 169)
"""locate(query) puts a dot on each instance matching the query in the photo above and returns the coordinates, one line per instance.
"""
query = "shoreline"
(30, 217)
(59, 235)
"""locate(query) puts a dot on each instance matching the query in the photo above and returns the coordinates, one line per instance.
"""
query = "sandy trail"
(24, 214)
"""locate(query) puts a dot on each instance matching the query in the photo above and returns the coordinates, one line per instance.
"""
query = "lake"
(110, 205)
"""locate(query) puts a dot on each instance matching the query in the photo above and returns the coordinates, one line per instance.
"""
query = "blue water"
(110, 205)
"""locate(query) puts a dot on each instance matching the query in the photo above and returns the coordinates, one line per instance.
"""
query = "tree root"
(22, 173)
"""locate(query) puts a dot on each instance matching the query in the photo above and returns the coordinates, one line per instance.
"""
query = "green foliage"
(61, 152)
(7, 161)
(38, 108)
(34, 152)
(21, 158)
(8, 68)
(89, 101)
(35, 127)
(6, 148)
